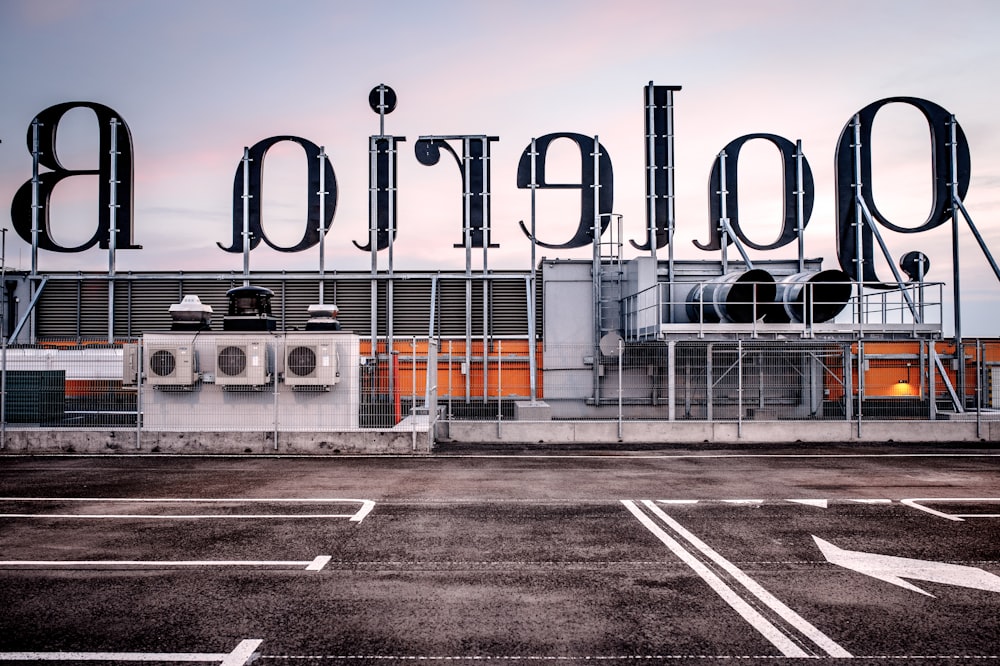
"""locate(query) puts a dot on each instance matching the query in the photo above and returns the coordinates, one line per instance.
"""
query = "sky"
(198, 81)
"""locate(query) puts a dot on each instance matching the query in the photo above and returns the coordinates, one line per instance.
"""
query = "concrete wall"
(695, 432)
(97, 442)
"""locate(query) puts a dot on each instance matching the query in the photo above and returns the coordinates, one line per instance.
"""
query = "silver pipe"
(113, 229)
(529, 284)
(671, 198)
(651, 171)
(322, 221)
(858, 222)
(35, 205)
(956, 273)
(246, 216)
(799, 205)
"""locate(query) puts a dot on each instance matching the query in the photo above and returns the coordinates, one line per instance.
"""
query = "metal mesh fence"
(312, 381)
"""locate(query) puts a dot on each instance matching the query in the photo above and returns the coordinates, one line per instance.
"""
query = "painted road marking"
(783, 638)
(242, 654)
(917, 503)
(894, 569)
(316, 564)
(356, 517)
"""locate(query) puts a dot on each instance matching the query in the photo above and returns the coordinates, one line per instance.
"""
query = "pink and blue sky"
(198, 81)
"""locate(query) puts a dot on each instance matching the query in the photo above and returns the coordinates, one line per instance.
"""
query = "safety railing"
(741, 304)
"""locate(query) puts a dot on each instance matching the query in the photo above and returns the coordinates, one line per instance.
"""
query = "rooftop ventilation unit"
(171, 365)
(242, 362)
(323, 318)
(190, 315)
(249, 310)
(311, 362)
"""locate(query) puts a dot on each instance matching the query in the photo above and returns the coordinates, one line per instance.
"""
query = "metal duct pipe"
(811, 297)
(739, 298)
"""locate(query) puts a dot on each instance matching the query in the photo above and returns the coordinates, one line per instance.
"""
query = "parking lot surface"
(674, 556)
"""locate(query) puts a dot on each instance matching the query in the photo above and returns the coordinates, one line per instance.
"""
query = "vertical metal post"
(246, 216)
(671, 197)
(113, 228)
(621, 371)
(533, 283)
(35, 204)
(956, 273)
(848, 360)
(739, 388)
(671, 380)
(274, 379)
(651, 170)
(979, 388)
(596, 271)
(708, 382)
(859, 217)
(932, 380)
(322, 220)
(800, 221)
(413, 390)
(532, 356)
(141, 353)
(499, 385)
(861, 383)
(724, 209)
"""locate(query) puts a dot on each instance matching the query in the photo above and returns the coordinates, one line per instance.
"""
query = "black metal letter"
(789, 224)
(474, 165)
(20, 208)
(938, 120)
(311, 236)
(585, 228)
(382, 182)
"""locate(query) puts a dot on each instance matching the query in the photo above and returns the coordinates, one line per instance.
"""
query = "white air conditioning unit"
(242, 361)
(311, 362)
(170, 364)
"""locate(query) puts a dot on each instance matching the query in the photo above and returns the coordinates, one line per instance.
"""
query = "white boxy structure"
(255, 381)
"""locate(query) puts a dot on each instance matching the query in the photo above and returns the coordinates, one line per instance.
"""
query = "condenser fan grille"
(301, 361)
(232, 361)
(162, 363)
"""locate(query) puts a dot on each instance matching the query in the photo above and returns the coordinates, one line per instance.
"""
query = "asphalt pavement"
(760, 554)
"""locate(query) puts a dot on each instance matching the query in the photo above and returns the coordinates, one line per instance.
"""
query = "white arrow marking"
(894, 569)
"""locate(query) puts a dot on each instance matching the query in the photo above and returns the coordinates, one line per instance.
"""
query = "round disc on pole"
(382, 99)
(915, 264)
(610, 344)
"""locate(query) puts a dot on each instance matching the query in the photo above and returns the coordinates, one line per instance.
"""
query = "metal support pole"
(322, 219)
(671, 380)
(532, 355)
(113, 229)
(596, 271)
(246, 216)
(955, 263)
(739, 389)
(621, 370)
(800, 222)
(858, 222)
(708, 382)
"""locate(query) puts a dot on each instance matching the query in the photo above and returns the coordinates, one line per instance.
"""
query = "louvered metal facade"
(75, 306)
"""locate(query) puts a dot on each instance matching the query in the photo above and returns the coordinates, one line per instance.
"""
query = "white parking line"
(778, 637)
(915, 503)
(316, 564)
(356, 517)
(241, 654)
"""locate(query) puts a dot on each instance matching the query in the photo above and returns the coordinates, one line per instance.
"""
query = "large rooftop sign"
(858, 218)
